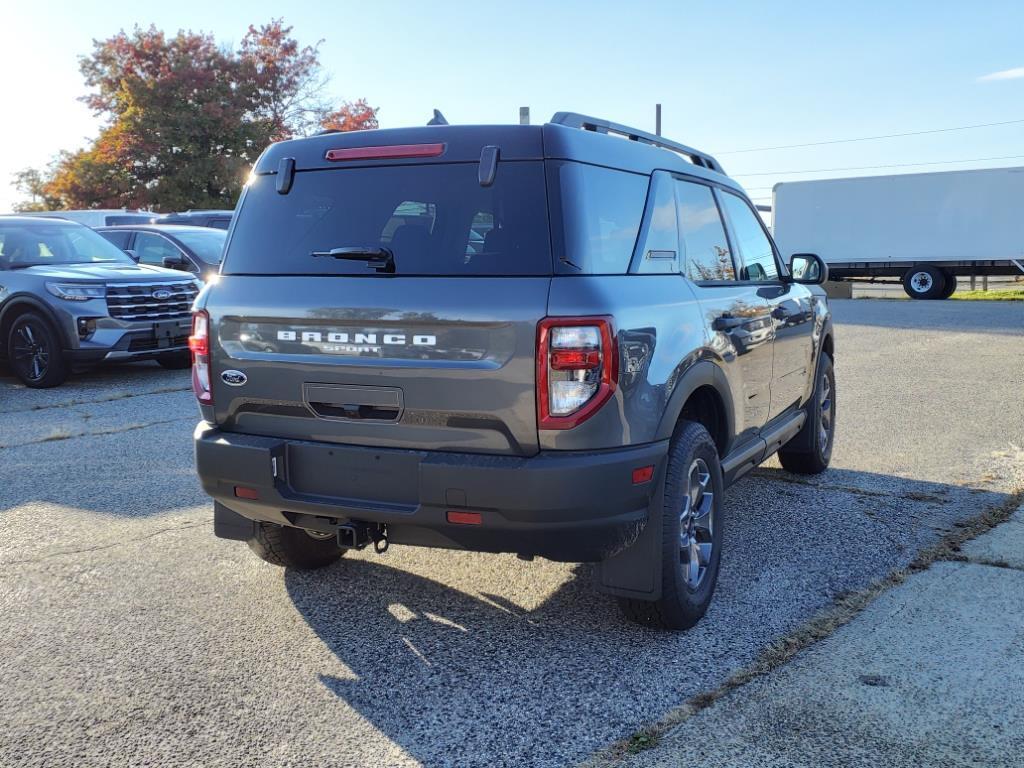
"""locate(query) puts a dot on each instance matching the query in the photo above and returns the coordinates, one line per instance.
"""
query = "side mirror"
(174, 262)
(134, 256)
(807, 269)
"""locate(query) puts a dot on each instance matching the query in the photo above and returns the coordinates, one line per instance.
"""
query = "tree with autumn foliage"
(185, 118)
(352, 116)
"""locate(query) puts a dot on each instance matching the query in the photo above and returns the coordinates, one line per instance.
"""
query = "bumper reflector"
(643, 474)
(465, 518)
(246, 493)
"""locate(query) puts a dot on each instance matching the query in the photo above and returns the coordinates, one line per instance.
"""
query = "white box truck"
(924, 228)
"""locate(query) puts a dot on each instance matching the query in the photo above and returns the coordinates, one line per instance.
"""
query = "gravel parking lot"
(130, 635)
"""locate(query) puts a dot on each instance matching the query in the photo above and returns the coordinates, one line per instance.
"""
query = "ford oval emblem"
(161, 294)
(234, 378)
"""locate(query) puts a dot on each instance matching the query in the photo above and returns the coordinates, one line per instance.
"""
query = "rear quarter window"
(596, 214)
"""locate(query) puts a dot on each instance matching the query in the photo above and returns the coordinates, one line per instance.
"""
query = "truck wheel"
(818, 432)
(691, 537)
(950, 288)
(924, 282)
(176, 361)
(293, 547)
(34, 351)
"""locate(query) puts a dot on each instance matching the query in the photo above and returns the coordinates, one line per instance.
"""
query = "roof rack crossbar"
(586, 123)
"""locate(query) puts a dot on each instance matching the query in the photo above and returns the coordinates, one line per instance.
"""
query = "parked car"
(97, 217)
(215, 219)
(542, 340)
(69, 299)
(186, 248)
(924, 228)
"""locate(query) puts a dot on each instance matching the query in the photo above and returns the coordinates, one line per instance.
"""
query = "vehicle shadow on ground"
(461, 678)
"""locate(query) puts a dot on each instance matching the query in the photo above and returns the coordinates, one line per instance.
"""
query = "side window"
(120, 239)
(702, 234)
(755, 249)
(151, 249)
(657, 251)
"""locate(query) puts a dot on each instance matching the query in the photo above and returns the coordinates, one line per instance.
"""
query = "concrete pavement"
(930, 673)
(1003, 546)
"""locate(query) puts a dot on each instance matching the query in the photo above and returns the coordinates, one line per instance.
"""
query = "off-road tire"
(916, 277)
(292, 547)
(175, 361)
(33, 331)
(815, 457)
(681, 606)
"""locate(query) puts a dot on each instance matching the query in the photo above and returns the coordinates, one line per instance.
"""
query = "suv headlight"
(77, 291)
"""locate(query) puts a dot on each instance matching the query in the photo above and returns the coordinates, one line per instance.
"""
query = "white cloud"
(1016, 73)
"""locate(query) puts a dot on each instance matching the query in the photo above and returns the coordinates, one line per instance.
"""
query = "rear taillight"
(577, 367)
(199, 343)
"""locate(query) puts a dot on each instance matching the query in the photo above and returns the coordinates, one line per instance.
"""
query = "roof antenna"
(437, 119)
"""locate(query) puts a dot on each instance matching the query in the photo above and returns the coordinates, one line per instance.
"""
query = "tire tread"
(809, 461)
(282, 546)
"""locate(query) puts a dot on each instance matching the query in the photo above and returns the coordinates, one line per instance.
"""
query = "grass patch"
(648, 738)
(1004, 294)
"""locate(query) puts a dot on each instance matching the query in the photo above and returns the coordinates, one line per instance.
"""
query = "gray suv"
(69, 299)
(562, 341)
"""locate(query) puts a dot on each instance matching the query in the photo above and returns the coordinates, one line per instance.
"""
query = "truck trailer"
(926, 229)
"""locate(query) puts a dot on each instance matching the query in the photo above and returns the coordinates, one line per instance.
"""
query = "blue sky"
(729, 75)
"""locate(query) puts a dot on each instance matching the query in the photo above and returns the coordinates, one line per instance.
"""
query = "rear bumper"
(568, 506)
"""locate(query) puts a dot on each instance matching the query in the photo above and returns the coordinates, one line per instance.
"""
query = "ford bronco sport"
(562, 341)
(69, 300)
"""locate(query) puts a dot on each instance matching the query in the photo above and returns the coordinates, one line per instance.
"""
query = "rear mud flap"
(636, 570)
(228, 524)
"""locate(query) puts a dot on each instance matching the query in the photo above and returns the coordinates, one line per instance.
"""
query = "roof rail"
(583, 122)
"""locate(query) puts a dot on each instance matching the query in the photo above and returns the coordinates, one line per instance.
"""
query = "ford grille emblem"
(234, 378)
(161, 294)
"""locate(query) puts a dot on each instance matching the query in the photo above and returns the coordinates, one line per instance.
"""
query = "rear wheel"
(818, 432)
(924, 282)
(950, 288)
(34, 351)
(691, 546)
(176, 361)
(293, 547)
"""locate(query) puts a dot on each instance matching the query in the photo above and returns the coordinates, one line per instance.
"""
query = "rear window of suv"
(436, 219)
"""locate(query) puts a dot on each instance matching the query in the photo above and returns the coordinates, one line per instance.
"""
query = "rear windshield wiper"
(381, 259)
